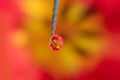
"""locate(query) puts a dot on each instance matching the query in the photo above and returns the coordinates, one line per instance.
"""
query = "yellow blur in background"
(82, 30)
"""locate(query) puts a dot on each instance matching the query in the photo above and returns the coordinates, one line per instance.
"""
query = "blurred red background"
(91, 33)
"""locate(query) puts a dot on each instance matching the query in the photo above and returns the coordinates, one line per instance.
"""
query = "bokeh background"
(90, 30)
